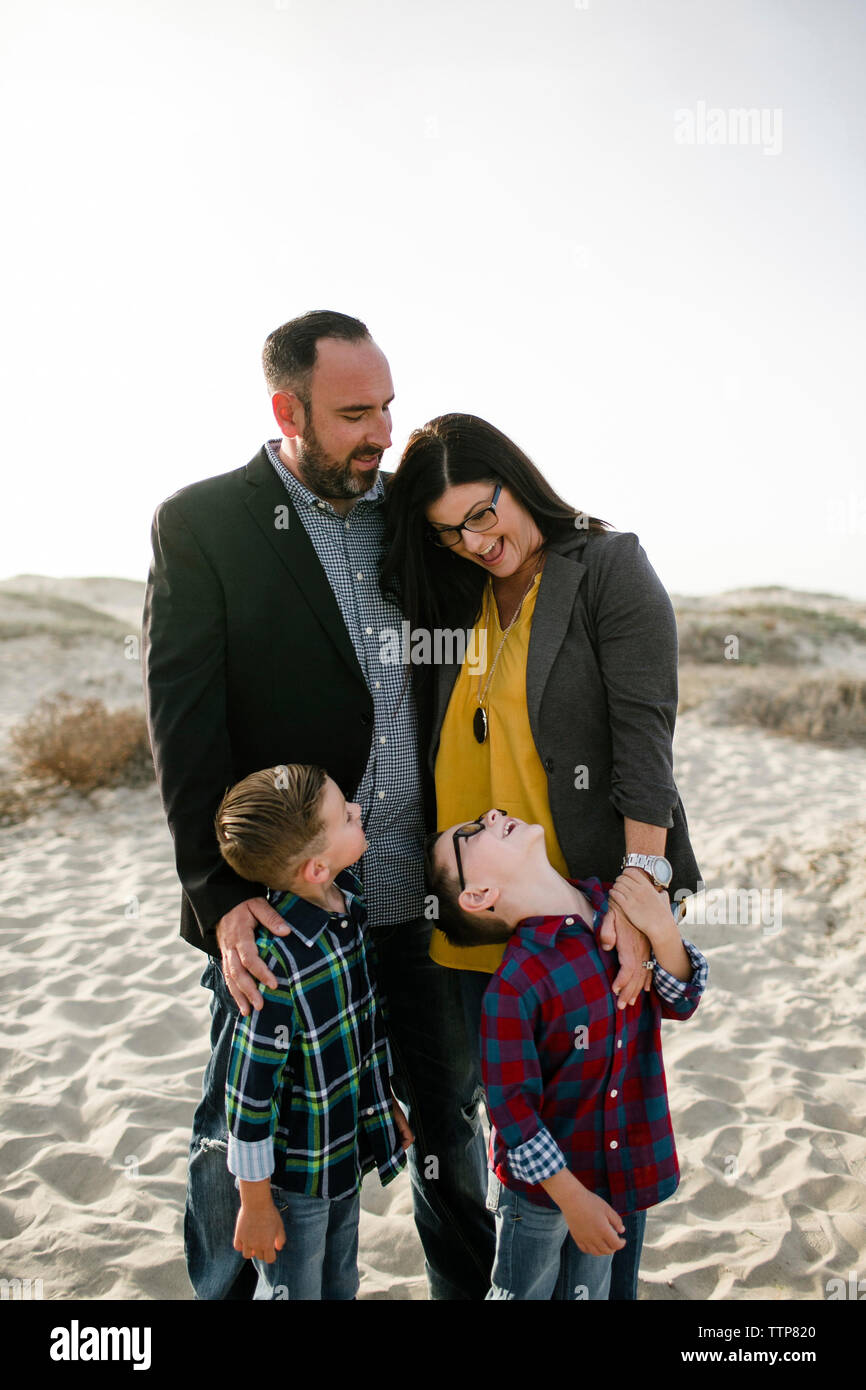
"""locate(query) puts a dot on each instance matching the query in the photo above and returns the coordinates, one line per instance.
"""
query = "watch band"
(647, 863)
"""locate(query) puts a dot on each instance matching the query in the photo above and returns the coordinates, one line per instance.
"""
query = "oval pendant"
(479, 724)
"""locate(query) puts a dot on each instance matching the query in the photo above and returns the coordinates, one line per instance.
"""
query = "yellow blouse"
(505, 771)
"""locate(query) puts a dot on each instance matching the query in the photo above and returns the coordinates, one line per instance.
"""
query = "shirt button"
(569, 921)
(344, 923)
(378, 685)
(382, 739)
(613, 1094)
(369, 1112)
(614, 1144)
(381, 796)
(360, 576)
(368, 630)
(321, 505)
(619, 1043)
(347, 524)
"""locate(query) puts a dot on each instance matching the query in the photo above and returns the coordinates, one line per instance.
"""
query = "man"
(262, 627)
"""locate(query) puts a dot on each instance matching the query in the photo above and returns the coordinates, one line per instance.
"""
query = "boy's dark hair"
(459, 928)
(289, 354)
(269, 823)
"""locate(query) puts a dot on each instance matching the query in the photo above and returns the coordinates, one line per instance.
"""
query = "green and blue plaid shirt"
(308, 1093)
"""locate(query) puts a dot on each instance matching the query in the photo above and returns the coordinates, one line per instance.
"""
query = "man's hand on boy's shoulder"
(235, 934)
(633, 949)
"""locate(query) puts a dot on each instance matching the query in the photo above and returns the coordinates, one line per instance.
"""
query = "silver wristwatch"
(658, 868)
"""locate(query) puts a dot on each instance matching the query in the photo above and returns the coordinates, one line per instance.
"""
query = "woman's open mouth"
(493, 553)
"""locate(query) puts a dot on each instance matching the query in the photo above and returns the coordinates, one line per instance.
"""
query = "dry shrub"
(760, 641)
(828, 709)
(15, 806)
(769, 634)
(697, 685)
(81, 744)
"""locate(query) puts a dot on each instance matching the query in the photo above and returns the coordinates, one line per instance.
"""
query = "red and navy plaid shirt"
(571, 1080)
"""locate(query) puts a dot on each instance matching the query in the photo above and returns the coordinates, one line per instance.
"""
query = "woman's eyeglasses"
(478, 521)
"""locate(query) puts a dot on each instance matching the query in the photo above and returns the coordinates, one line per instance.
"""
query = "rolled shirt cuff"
(252, 1162)
(538, 1158)
(669, 987)
(659, 812)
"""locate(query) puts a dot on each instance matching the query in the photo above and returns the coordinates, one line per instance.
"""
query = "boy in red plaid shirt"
(581, 1130)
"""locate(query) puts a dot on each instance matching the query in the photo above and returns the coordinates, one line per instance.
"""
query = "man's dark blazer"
(248, 664)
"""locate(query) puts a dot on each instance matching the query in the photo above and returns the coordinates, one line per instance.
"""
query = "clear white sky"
(674, 332)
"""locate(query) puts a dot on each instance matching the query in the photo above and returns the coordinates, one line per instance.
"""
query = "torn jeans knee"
(213, 1145)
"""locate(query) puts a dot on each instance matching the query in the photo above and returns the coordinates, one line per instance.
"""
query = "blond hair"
(269, 823)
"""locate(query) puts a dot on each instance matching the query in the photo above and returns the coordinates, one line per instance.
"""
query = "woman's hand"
(634, 896)
(640, 903)
(633, 950)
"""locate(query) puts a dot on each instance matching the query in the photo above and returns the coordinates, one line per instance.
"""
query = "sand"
(105, 1035)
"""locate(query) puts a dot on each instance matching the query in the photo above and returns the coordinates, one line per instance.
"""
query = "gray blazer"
(601, 691)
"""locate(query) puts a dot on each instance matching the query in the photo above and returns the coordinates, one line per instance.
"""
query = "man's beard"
(326, 478)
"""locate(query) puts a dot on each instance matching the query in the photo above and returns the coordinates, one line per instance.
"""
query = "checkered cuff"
(540, 1157)
(670, 988)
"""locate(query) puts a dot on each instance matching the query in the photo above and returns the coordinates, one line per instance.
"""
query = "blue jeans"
(536, 1257)
(623, 1280)
(437, 1077)
(320, 1257)
(216, 1270)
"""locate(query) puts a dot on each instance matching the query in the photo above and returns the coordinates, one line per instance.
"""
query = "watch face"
(662, 871)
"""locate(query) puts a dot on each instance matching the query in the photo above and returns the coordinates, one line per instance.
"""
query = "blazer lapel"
(297, 553)
(445, 680)
(557, 592)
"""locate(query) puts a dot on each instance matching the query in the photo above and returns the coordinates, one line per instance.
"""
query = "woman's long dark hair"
(435, 587)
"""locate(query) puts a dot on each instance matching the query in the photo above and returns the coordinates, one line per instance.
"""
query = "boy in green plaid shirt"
(308, 1094)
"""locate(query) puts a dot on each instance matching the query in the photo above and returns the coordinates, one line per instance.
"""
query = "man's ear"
(478, 899)
(288, 413)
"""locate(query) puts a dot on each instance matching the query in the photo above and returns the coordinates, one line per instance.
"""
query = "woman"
(570, 723)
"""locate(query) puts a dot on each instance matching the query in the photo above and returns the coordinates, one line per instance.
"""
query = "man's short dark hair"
(459, 928)
(289, 354)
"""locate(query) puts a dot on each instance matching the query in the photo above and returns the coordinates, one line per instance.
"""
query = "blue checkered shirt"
(390, 792)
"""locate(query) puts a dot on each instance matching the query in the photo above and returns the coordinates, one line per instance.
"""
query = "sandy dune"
(106, 1024)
